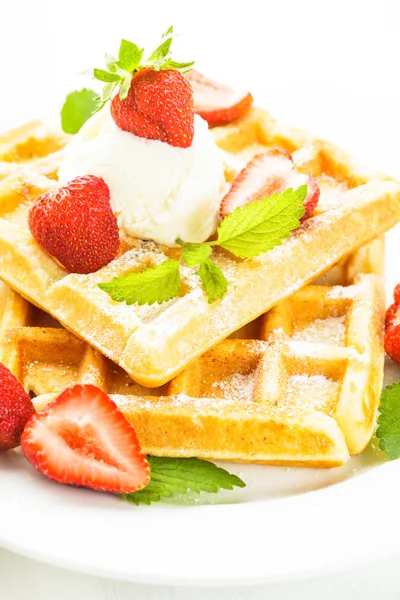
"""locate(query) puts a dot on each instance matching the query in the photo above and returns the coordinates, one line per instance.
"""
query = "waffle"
(298, 386)
(32, 145)
(154, 343)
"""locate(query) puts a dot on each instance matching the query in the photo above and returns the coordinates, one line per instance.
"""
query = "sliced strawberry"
(83, 439)
(267, 173)
(218, 104)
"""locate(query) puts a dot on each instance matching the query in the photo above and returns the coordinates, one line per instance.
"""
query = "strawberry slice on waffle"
(267, 173)
(215, 102)
(83, 439)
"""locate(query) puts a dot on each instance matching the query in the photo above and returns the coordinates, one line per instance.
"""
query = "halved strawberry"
(269, 172)
(218, 104)
(83, 439)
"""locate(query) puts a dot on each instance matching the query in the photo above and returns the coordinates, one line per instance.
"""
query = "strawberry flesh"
(83, 439)
(267, 173)
(75, 224)
(159, 106)
(218, 104)
(16, 408)
(392, 328)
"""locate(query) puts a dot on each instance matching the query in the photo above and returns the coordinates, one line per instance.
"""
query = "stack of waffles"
(286, 369)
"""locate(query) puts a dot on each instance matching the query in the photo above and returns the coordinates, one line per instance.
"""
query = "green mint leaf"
(110, 62)
(194, 254)
(105, 76)
(388, 430)
(125, 87)
(77, 109)
(182, 475)
(156, 284)
(129, 56)
(260, 226)
(213, 280)
(163, 50)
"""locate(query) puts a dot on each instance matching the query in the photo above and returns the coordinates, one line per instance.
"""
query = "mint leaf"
(106, 76)
(388, 430)
(182, 475)
(213, 280)
(194, 254)
(156, 284)
(163, 50)
(129, 56)
(77, 109)
(262, 225)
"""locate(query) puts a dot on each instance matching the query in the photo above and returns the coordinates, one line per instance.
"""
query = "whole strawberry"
(159, 106)
(16, 409)
(392, 326)
(154, 99)
(75, 224)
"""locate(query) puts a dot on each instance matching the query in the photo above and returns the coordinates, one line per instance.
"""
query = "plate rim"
(339, 495)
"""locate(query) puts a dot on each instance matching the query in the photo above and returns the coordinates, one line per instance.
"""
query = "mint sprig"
(247, 232)
(171, 476)
(388, 430)
(194, 254)
(119, 71)
(77, 109)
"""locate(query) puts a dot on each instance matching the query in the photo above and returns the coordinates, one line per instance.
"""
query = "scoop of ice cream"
(158, 192)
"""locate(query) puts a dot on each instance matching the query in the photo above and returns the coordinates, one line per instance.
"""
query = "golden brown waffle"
(154, 343)
(29, 146)
(301, 386)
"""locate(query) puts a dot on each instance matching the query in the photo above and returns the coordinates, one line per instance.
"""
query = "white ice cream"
(158, 192)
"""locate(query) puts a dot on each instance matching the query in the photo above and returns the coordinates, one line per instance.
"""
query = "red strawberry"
(159, 106)
(75, 224)
(83, 439)
(218, 104)
(16, 409)
(267, 173)
(392, 324)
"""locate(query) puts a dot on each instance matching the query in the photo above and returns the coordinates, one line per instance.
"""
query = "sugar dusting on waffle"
(331, 330)
(316, 390)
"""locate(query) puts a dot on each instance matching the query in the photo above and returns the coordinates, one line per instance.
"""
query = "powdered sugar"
(331, 330)
(238, 386)
(312, 391)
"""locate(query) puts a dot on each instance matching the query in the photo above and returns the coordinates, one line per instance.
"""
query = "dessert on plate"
(189, 279)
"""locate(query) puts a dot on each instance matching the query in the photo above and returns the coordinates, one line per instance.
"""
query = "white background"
(331, 67)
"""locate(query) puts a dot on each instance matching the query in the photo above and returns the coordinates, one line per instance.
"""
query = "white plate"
(287, 523)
